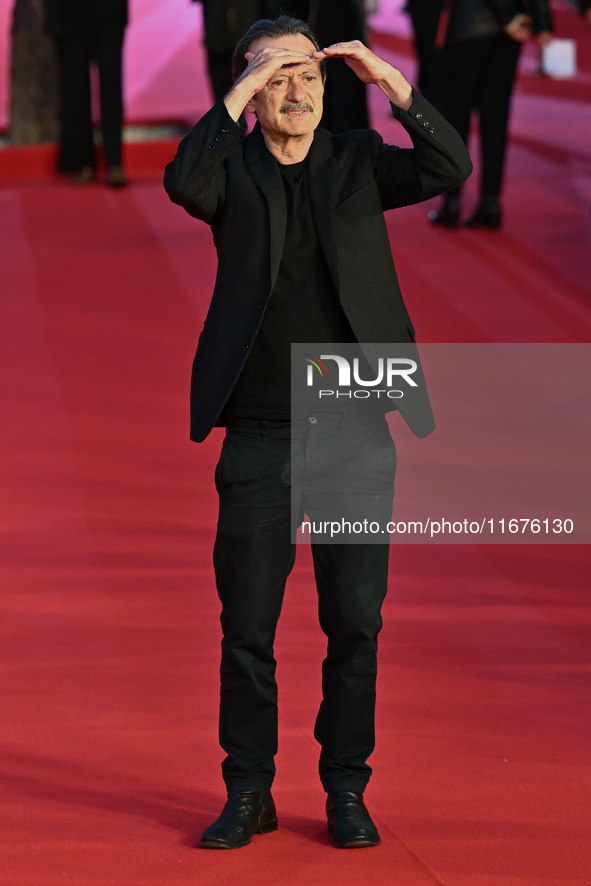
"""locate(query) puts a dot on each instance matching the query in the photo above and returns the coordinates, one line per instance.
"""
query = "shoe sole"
(354, 842)
(357, 843)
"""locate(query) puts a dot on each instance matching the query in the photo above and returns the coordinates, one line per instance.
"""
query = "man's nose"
(295, 91)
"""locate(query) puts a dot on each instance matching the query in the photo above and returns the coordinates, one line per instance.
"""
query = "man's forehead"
(302, 66)
(290, 41)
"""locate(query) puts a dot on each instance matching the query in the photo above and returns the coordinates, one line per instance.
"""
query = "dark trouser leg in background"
(461, 90)
(493, 104)
(108, 49)
(482, 74)
(76, 138)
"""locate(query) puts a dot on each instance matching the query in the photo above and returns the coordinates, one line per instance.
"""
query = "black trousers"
(481, 77)
(104, 43)
(425, 17)
(253, 557)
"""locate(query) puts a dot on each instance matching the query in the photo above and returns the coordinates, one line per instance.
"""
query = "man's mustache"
(296, 106)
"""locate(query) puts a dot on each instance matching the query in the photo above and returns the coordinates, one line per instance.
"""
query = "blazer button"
(419, 116)
(260, 307)
(212, 147)
(245, 347)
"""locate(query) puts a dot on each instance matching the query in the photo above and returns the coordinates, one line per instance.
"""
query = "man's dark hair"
(273, 28)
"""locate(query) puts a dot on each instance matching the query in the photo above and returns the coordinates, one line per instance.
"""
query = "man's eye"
(310, 78)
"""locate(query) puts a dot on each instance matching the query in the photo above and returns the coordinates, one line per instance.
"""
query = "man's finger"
(353, 47)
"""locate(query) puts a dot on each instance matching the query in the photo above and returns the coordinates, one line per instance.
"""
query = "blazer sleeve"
(196, 178)
(438, 160)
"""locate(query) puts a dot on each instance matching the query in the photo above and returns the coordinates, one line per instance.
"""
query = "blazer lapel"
(321, 182)
(263, 169)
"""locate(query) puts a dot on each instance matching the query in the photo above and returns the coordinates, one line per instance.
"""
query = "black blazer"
(233, 184)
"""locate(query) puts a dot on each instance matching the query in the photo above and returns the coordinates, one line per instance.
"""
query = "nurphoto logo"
(342, 374)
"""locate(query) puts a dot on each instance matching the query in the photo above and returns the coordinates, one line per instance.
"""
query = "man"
(303, 255)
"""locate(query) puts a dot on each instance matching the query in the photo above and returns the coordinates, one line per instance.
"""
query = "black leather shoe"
(448, 216)
(116, 177)
(84, 176)
(487, 215)
(349, 821)
(245, 813)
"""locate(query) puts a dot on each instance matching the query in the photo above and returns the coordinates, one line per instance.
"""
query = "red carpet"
(109, 618)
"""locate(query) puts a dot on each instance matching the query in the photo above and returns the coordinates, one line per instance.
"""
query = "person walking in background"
(482, 47)
(87, 31)
(335, 21)
(223, 25)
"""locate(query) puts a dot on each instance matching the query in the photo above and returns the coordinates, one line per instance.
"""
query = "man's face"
(291, 102)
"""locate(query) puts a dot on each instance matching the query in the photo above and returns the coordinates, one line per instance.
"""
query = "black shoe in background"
(448, 215)
(487, 215)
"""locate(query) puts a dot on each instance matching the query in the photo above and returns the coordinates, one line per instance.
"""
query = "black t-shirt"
(304, 306)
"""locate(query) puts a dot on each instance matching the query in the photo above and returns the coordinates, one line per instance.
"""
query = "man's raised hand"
(370, 68)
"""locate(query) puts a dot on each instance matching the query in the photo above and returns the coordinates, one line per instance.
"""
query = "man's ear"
(251, 104)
